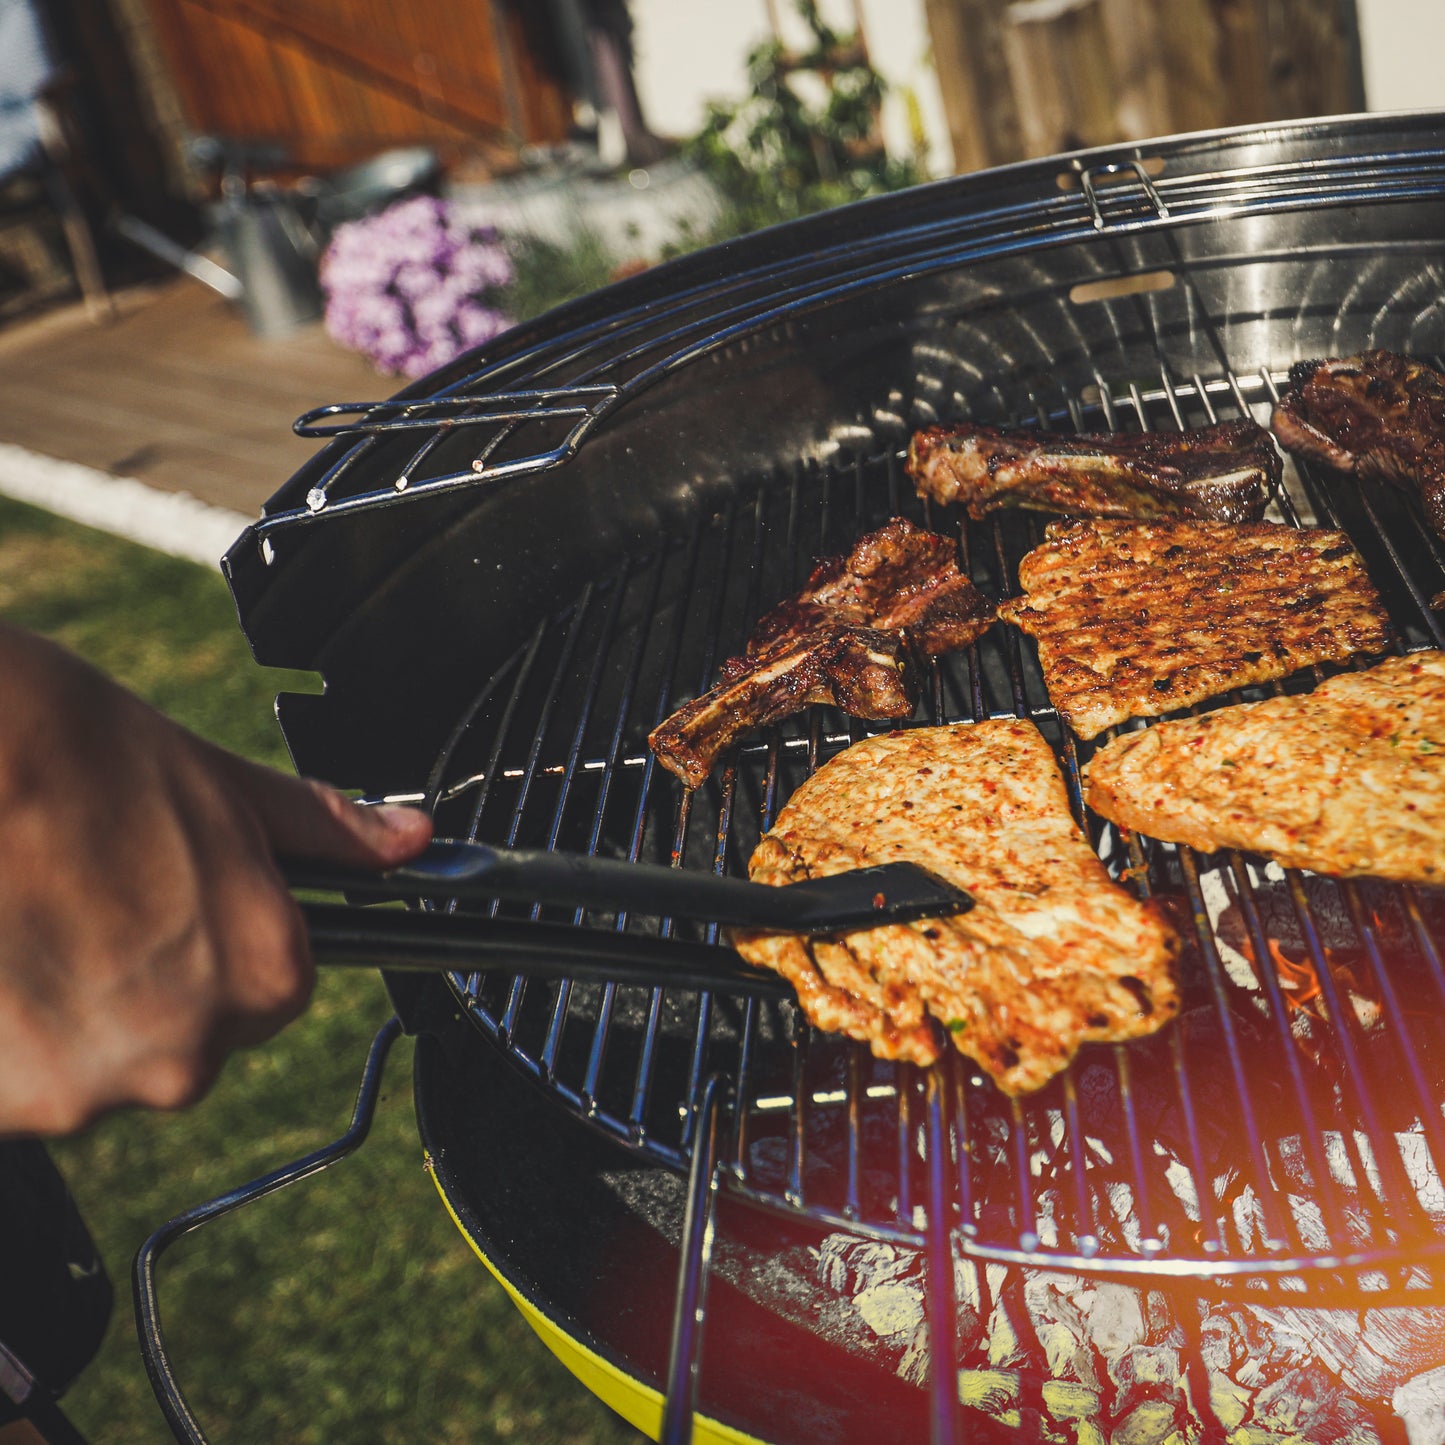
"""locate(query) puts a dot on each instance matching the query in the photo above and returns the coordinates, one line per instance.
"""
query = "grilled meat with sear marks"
(1134, 619)
(850, 638)
(865, 672)
(1347, 780)
(900, 578)
(1052, 955)
(1222, 472)
(1378, 415)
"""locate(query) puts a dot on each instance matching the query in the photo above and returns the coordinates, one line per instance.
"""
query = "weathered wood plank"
(1032, 77)
(335, 81)
(177, 392)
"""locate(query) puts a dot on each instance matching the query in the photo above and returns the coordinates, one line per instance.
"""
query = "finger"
(302, 818)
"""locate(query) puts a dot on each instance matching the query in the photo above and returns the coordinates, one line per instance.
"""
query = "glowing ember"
(1299, 979)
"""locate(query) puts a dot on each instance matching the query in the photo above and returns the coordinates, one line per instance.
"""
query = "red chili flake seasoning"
(879, 901)
(925, 772)
(906, 803)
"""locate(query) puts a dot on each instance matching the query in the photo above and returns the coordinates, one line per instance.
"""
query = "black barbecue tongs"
(475, 873)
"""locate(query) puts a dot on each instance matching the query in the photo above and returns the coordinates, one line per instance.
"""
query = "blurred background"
(142, 133)
(217, 214)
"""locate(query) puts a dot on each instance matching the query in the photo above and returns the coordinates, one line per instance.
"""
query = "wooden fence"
(335, 81)
(1032, 77)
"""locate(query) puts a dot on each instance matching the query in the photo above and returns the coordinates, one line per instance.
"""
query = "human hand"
(145, 928)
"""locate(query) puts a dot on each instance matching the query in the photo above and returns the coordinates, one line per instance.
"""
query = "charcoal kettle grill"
(511, 571)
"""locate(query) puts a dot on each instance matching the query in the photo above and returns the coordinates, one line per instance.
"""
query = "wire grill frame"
(527, 762)
(1369, 1220)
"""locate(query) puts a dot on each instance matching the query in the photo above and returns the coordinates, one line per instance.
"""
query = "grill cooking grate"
(1291, 1118)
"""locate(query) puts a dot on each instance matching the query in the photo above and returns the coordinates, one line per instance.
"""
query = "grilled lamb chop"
(897, 579)
(851, 638)
(1053, 953)
(1378, 415)
(863, 671)
(1222, 472)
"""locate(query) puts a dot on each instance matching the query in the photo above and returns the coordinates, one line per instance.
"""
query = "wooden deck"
(175, 392)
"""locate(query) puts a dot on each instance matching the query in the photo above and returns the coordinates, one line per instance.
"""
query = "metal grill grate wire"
(1032, 1181)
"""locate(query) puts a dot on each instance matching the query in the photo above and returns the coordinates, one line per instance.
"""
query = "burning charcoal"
(995, 1392)
(1150, 1423)
(1148, 1373)
(1058, 1323)
(894, 1308)
(1302, 1405)
(1005, 1344)
(1370, 1352)
(1069, 1400)
(1116, 1321)
(1230, 1402)
(1420, 1403)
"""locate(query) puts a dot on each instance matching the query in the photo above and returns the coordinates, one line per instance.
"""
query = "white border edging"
(172, 522)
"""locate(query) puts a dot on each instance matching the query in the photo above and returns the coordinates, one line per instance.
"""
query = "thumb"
(303, 818)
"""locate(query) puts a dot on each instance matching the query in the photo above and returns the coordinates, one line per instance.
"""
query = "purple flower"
(414, 286)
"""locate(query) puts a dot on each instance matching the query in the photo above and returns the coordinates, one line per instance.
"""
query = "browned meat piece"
(1053, 953)
(867, 673)
(849, 638)
(1347, 780)
(1378, 415)
(899, 578)
(1134, 619)
(1222, 472)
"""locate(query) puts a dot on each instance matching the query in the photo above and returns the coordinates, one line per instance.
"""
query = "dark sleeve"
(55, 1296)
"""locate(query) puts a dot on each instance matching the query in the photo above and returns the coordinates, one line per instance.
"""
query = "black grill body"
(509, 573)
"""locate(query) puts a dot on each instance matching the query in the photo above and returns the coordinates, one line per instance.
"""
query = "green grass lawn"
(346, 1309)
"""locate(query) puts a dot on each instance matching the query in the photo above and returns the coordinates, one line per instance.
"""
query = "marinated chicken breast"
(1134, 619)
(1348, 780)
(1054, 953)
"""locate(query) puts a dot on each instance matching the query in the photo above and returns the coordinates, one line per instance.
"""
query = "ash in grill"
(1287, 1128)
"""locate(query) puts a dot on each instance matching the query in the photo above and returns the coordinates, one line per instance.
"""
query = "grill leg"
(685, 1354)
(942, 1302)
(174, 1406)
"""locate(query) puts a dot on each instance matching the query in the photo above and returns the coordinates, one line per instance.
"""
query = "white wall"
(691, 51)
(1402, 47)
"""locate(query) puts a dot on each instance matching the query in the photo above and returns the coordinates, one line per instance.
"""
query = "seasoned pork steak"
(1347, 780)
(1378, 415)
(1221, 472)
(1134, 619)
(852, 638)
(1053, 954)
